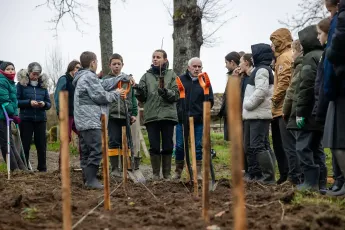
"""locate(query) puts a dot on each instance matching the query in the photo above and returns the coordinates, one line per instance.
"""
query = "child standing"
(90, 95)
(117, 114)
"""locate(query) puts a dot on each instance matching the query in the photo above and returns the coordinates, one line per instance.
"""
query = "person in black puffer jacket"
(33, 101)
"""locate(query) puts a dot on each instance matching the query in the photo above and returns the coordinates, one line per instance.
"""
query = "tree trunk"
(187, 33)
(106, 33)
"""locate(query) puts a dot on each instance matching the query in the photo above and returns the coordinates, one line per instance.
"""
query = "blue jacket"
(26, 93)
(329, 73)
(65, 83)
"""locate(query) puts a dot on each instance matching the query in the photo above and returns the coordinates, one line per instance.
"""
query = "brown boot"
(178, 170)
(198, 168)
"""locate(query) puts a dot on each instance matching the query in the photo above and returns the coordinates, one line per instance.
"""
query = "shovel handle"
(204, 82)
(180, 88)
(126, 85)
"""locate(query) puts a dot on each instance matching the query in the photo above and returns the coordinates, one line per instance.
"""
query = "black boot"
(311, 180)
(166, 165)
(267, 167)
(323, 179)
(340, 155)
(115, 170)
(178, 169)
(91, 177)
(156, 165)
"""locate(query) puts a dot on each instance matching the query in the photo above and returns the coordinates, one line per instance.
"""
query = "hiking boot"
(267, 167)
(178, 169)
(115, 170)
(166, 165)
(91, 178)
(311, 179)
(337, 185)
(156, 166)
(198, 169)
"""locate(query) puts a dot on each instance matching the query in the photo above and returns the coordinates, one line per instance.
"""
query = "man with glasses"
(192, 107)
(65, 83)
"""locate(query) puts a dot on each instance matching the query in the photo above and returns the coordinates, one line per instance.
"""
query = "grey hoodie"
(91, 96)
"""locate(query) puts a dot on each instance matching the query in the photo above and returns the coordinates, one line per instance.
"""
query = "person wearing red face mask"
(8, 94)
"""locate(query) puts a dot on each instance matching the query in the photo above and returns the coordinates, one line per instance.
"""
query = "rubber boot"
(156, 165)
(115, 170)
(311, 179)
(166, 165)
(91, 178)
(340, 155)
(323, 179)
(178, 169)
(267, 167)
(198, 169)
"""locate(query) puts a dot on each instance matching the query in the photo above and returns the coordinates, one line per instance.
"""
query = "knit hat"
(4, 64)
(233, 56)
(34, 67)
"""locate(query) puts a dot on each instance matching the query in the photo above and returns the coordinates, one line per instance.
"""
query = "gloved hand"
(300, 121)
(15, 119)
(162, 92)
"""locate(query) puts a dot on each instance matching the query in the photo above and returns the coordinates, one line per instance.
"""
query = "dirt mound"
(33, 201)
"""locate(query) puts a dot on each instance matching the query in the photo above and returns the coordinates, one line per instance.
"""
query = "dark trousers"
(115, 133)
(288, 138)
(310, 150)
(255, 134)
(91, 147)
(38, 129)
(158, 130)
(198, 131)
(279, 152)
(4, 145)
(226, 132)
(337, 174)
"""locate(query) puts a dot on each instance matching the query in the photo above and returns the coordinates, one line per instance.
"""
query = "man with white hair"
(192, 107)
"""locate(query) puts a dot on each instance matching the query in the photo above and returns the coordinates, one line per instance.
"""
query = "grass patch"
(3, 167)
(55, 147)
(307, 197)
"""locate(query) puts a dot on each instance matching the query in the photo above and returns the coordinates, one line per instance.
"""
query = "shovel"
(8, 121)
(205, 83)
(134, 172)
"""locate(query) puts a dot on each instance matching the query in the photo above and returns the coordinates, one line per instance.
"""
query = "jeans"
(198, 131)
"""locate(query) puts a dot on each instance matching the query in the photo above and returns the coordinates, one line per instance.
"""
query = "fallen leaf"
(219, 214)
(131, 203)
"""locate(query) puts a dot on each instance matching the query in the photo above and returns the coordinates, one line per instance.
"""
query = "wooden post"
(235, 131)
(105, 163)
(124, 156)
(206, 161)
(192, 144)
(65, 173)
(143, 144)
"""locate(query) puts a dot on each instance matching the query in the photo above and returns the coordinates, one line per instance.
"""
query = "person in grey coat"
(91, 97)
(257, 115)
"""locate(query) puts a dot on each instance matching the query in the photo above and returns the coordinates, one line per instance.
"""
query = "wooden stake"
(105, 163)
(192, 144)
(125, 155)
(143, 144)
(206, 141)
(235, 131)
(65, 173)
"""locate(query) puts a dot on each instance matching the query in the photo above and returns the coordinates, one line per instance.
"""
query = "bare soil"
(33, 201)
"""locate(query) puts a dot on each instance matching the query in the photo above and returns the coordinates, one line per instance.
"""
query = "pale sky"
(138, 28)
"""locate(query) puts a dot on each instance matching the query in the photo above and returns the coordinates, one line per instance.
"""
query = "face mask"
(34, 83)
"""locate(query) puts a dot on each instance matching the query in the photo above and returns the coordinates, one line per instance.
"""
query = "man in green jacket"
(158, 91)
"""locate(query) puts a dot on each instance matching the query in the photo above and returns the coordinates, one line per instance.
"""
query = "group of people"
(298, 88)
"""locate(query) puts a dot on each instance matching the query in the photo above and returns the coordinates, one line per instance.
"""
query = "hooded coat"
(257, 102)
(304, 91)
(282, 41)
(26, 93)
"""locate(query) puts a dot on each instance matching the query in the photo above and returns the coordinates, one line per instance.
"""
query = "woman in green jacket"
(8, 98)
(158, 91)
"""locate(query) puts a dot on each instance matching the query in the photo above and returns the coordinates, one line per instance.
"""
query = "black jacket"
(193, 103)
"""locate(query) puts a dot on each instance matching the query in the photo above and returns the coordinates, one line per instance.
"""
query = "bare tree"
(54, 66)
(190, 18)
(73, 9)
(309, 12)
